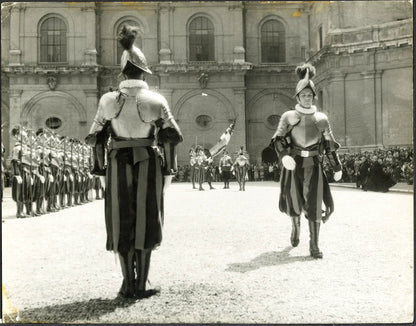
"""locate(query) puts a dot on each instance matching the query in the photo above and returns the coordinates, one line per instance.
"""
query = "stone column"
(236, 15)
(15, 98)
(90, 54)
(379, 108)
(240, 128)
(368, 103)
(165, 20)
(91, 109)
(15, 50)
(337, 106)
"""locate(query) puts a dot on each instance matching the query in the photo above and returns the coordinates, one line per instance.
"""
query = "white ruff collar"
(300, 109)
(133, 83)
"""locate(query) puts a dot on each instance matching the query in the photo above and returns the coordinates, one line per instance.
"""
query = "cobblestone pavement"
(225, 257)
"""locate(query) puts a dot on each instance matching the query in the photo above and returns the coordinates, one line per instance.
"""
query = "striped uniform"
(306, 136)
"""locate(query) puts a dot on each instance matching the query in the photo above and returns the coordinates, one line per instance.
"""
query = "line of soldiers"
(50, 171)
(202, 168)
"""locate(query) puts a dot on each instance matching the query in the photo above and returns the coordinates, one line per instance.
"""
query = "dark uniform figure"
(241, 166)
(201, 166)
(226, 165)
(20, 171)
(303, 136)
(192, 163)
(141, 162)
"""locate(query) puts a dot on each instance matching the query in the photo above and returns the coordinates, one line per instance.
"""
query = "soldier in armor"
(63, 185)
(226, 165)
(241, 166)
(209, 173)
(20, 171)
(54, 164)
(192, 163)
(302, 138)
(42, 184)
(69, 173)
(201, 161)
(140, 165)
(29, 156)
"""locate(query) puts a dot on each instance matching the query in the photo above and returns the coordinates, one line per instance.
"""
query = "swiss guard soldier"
(63, 185)
(87, 175)
(241, 166)
(141, 162)
(209, 173)
(225, 167)
(192, 163)
(29, 158)
(42, 183)
(54, 164)
(302, 138)
(201, 165)
(77, 174)
(20, 170)
(69, 172)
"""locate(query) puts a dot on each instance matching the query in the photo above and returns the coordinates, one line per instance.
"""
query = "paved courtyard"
(226, 257)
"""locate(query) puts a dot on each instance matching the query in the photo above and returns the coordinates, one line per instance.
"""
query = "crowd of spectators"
(396, 162)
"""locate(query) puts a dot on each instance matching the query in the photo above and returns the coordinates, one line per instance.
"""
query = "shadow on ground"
(70, 312)
(273, 258)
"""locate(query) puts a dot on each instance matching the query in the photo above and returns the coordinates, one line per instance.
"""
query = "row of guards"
(50, 170)
(202, 168)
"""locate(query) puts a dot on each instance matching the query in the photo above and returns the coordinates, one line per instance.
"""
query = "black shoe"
(316, 254)
(143, 294)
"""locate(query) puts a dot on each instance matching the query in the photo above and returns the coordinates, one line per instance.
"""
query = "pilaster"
(337, 106)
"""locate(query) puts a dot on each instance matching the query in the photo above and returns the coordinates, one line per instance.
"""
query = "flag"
(222, 142)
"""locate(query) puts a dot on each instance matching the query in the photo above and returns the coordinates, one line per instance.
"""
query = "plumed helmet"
(305, 72)
(132, 56)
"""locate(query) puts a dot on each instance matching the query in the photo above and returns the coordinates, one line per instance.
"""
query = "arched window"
(201, 40)
(273, 47)
(53, 41)
(137, 42)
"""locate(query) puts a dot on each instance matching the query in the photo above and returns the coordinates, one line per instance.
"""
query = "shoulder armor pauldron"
(321, 121)
(292, 117)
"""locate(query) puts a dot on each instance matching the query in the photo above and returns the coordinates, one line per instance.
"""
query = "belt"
(304, 153)
(140, 142)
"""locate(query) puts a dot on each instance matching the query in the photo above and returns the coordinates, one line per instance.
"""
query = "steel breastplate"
(305, 133)
(129, 123)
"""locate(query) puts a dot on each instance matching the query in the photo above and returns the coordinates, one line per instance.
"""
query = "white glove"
(338, 175)
(102, 179)
(168, 181)
(288, 162)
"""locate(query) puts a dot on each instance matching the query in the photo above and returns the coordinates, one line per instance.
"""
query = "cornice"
(201, 67)
(36, 70)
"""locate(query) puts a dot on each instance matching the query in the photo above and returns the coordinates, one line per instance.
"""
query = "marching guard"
(192, 163)
(144, 134)
(201, 161)
(225, 166)
(20, 171)
(302, 138)
(241, 166)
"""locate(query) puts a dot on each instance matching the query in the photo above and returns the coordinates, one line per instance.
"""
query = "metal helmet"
(132, 56)
(305, 72)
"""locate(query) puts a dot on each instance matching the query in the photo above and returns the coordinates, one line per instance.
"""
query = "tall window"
(273, 47)
(137, 41)
(201, 40)
(53, 42)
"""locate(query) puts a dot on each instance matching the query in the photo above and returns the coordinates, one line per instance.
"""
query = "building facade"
(215, 62)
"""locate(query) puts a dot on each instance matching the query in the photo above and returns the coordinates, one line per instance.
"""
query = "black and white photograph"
(207, 162)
